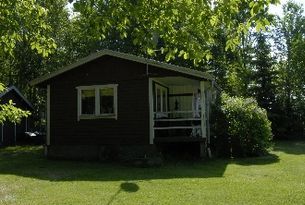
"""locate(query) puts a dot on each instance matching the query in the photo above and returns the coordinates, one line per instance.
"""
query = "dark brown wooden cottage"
(11, 133)
(113, 98)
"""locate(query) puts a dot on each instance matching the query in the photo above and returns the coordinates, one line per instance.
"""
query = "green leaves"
(8, 111)
(44, 47)
(150, 51)
(232, 43)
(247, 125)
(184, 25)
(24, 21)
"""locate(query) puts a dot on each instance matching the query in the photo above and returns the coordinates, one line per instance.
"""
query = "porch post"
(151, 112)
(203, 109)
(203, 119)
(48, 115)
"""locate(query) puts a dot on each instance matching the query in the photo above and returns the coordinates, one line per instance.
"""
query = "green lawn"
(26, 177)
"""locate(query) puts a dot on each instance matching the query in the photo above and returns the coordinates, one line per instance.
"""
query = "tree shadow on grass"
(124, 187)
(290, 147)
(30, 162)
(262, 160)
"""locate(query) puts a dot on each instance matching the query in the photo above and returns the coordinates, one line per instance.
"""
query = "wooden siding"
(132, 125)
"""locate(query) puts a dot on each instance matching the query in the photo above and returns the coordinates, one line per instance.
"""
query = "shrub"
(244, 128)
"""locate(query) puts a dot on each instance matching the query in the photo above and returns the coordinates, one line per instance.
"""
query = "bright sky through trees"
(277, 10)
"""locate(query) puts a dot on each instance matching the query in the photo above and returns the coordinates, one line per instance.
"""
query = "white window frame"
(97, 114)
(163, 90)
(163, 110)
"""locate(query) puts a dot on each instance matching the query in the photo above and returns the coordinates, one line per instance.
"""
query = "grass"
(26, 177)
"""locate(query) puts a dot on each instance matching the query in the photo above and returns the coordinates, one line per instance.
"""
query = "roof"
(125, 56)
(11, 88)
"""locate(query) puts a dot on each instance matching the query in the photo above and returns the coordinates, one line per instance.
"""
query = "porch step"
(176, 127)
(180, 139)
(177, 119)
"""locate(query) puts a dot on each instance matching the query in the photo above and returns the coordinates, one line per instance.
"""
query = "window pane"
(107, 100)
(88, 102)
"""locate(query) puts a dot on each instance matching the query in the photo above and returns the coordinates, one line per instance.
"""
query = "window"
(97, 101)
(88, 102)
(107, 101)
(161, 101)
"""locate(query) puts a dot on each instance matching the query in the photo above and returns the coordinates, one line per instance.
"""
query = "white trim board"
(130, 57)
(97, 114)
(203, 110)
(151, 111)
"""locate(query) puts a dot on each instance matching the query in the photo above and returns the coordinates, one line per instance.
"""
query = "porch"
(179, 109)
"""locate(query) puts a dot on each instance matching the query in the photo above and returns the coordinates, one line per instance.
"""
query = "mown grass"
(26, 177)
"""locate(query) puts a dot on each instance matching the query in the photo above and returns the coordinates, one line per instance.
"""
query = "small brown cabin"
(114, 98)
(12, 133)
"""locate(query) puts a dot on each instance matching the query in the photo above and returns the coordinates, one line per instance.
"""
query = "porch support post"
(203, 119)
(48, 115)
(203, 109)
(208, 111)
(151, 112)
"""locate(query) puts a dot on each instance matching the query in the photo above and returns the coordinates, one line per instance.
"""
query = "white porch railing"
(192, 123)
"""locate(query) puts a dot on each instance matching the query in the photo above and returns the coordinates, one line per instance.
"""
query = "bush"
(242, 127)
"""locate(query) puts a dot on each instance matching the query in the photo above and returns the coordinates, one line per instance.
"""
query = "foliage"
(263, 74)
(290, 84)
(32, 33)
(23, 27)
(268, 66)
(8, 112)
(247, 126)
(24, 20)
(183, 28)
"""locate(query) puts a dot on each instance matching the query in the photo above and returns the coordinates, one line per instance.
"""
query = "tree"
(8, 112)
(290, 38)
(21, 21)
(185, 28)
(263, 76)
(24, 20)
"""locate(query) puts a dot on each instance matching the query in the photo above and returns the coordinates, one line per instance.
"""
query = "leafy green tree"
(8, 112)
(233, 68)
(20, 22)
(290, 38)
(24, 20)
(186, 28)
